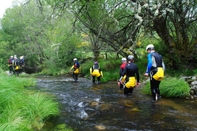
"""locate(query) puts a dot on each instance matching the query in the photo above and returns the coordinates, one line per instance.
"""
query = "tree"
(174, 21)
(113, 22)
(46, 40)
(118, 23)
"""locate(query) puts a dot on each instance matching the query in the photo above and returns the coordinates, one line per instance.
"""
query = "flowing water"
(88, 107)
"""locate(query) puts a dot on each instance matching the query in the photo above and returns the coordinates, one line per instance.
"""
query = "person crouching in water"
(96, 72)
(131, 72)
(122, 67)
(76, 69)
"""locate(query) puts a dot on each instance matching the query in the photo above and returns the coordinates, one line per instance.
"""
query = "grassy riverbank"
(22, 109)
(171, 85)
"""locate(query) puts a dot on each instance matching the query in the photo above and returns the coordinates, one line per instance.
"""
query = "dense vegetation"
(23, 109)
(50, 33)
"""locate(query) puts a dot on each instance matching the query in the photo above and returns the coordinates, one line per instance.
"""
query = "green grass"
(22, 109)
(170, 87)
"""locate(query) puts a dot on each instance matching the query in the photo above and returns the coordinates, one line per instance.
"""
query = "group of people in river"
(95, 71)
(16, 65)
(155, 70)
(129, 74)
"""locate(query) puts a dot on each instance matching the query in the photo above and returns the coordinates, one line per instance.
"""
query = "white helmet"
(150, 46)
(75, 59)
(130, 57)
(124, 59)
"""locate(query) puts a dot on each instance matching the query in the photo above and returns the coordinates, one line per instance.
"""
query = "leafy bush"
(170, 87)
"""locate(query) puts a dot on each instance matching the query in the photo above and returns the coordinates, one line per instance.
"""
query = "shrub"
(170, 87)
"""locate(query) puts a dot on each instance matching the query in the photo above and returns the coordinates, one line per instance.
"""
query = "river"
(88, 107)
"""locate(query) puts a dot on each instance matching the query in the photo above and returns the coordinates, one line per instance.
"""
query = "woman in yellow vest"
(96, 72)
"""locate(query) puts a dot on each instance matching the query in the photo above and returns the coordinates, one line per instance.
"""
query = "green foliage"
(170, 87)
(111, 67)
(47, 42)
(23, 109)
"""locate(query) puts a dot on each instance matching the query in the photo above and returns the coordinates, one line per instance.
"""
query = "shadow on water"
(87, 107)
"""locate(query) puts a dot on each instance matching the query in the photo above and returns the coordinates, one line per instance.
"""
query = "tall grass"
(22, 109)
(170, 87)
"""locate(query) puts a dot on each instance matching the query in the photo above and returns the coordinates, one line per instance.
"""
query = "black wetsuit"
(154, 84)
(131, 70)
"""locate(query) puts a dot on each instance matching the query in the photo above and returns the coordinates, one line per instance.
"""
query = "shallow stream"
(88, 107)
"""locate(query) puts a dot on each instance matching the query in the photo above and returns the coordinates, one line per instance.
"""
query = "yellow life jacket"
(131, 83)
(76, 71)
(95, 72)
(159, 75)
(17, 67)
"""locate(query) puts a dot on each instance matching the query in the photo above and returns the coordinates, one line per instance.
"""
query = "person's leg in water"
(126, 91)
(99, 79)
(75, 76)
(93, 79)
(157, 83)
(155, 89)
(130, 90)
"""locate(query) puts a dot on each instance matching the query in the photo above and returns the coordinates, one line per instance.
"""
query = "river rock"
(100, 127)
(192, 81)
(93, 103)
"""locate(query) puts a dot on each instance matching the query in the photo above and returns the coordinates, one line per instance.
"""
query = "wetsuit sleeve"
(124, 72)
(149, 65)
(121, 71)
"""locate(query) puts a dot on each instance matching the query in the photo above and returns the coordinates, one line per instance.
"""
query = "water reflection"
(87, 107)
